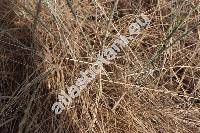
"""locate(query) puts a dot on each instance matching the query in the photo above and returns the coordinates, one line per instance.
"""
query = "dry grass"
(152, 87)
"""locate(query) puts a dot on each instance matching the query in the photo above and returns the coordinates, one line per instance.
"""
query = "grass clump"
(152, 86)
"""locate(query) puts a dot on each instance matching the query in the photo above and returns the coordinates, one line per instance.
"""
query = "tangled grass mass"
(151, 86)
